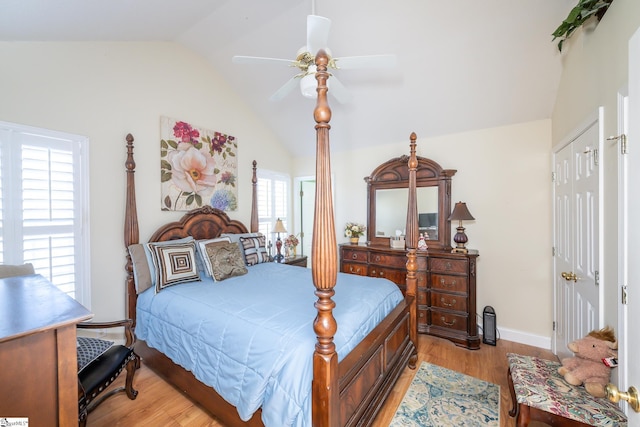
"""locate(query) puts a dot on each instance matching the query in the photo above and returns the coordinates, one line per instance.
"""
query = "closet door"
(576, 238)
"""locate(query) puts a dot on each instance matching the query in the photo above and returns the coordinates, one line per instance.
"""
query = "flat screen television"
(428, 220)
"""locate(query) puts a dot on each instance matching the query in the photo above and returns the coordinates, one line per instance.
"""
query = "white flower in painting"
(193, 170)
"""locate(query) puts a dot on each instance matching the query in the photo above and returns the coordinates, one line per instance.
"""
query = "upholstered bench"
(539, 393)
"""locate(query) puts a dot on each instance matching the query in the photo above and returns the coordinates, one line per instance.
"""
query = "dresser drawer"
(448, 265)
(422, 296)
(354, 255)
(449, 301)
(422, 316)
(396, 276)
(399, 261)
(449, 320)
(449, 283)
(354, 268)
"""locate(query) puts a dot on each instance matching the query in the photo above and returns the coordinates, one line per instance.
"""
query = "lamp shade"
(279, 228)
(460, 213)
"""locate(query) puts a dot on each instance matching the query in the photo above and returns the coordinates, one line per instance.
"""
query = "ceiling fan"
(317, 35)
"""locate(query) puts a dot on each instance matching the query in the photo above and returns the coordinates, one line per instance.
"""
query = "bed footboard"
(369, 372)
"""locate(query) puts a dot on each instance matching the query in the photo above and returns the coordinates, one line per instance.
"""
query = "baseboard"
(523, 337)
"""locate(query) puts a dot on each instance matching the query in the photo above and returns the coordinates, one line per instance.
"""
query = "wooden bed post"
(412, 245)
(254, 199)
(324, 266)
(131, 232)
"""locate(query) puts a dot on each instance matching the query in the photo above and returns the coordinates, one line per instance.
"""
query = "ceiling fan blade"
(337, 89)
(317, 33)
(371, 61)
(291, 84)
(259, 60)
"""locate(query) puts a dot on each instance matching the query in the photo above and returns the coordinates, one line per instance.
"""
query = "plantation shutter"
(44, 207)
(273, 201)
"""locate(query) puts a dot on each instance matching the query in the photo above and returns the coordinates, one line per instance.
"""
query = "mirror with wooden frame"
(388, 189)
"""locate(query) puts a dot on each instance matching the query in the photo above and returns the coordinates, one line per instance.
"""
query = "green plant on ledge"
(582, 12)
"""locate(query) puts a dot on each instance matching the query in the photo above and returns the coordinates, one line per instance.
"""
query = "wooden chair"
(99, 364)
(99, 361)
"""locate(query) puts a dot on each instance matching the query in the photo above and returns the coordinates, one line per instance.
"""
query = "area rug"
(441, 397)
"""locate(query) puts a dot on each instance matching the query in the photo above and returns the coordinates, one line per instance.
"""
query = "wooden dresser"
(39, 373)
(446, 286)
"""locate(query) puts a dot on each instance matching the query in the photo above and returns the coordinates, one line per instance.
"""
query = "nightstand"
(300, 261)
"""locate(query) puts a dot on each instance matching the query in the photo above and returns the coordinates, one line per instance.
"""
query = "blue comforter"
(251, 338)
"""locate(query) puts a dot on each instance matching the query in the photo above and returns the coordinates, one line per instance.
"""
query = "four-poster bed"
(344, 391)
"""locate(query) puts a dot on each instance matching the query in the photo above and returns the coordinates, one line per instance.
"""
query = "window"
(44, 205)
(273, 202)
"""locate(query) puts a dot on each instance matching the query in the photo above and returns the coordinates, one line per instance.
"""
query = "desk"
(39, 373)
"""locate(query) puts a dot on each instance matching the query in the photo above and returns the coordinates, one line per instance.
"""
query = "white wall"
(106, 90)
(595, 69)
(504, 176)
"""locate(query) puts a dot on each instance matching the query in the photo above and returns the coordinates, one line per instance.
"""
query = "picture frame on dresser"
(446, 282)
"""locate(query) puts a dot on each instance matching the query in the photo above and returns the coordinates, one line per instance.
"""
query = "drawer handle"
(421, 315)
(382, 274)
(354, 256)
(448, 266)
(445, 303)
(448, 323)
(357, 270)
(449, 285)
(377, 257)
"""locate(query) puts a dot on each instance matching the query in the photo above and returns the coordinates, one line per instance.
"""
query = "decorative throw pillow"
(202, 251)
(255, 251)
(89, 349)
(226, 260)
(174, 264)
(235, 238)
(141, 271)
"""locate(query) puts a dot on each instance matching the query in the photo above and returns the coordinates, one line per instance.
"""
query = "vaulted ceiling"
(461, 64)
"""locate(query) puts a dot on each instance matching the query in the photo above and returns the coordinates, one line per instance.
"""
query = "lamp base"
(459, 251)
(278, 258)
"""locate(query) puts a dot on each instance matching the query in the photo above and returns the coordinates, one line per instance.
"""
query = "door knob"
(631, 396)
(569, 276)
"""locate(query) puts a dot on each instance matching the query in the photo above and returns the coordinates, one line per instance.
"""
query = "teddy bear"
(587, 366)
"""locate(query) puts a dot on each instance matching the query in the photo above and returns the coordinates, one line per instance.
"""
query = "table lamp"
(460, 213)
(279, 228)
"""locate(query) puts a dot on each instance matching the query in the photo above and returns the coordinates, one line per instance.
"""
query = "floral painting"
(198, 167)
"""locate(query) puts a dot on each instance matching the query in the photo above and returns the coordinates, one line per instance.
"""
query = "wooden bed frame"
(348, 393)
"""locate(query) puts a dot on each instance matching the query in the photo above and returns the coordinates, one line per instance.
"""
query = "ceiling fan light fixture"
(308, 85)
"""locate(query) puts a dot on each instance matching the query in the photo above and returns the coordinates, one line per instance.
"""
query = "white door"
(576, 221)
(564, 243)
(633, 213)
(304, 197)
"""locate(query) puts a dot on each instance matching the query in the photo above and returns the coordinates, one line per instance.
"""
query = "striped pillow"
(174, 264)
(255, 250)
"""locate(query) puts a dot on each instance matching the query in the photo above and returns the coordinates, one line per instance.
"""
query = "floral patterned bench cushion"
(537, 384)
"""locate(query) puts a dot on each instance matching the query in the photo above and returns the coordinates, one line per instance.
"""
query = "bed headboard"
(202, 223)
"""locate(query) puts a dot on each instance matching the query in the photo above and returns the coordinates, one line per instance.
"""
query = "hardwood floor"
(159, 404)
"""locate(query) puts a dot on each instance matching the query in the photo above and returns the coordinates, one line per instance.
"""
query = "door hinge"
(623, 142)
(554, 325)
(595, 156)
(553, 251)
(553, 177)
(624, 295)
(597, 277)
